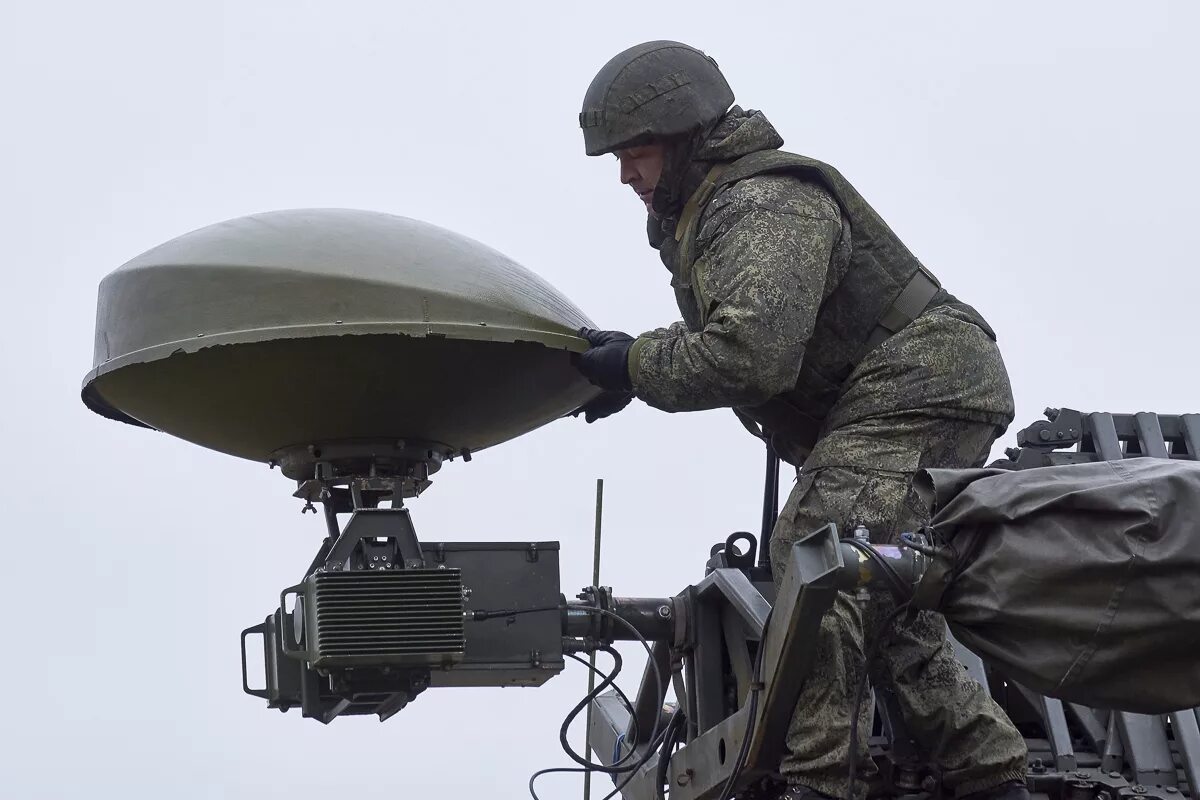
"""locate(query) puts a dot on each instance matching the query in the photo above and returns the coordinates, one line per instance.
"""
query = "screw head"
(664, 611)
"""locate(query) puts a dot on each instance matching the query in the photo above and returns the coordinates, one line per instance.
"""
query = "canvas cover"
(1080, 582)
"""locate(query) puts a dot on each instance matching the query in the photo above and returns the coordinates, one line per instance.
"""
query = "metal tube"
(652, 617)
(770, 511)
(587, 776)
(331, 520)
(858, 570)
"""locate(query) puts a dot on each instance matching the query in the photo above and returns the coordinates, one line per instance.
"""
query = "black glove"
(606, 362)
(603, 405)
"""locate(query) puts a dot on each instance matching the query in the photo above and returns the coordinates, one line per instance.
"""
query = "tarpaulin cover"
(1080, 582)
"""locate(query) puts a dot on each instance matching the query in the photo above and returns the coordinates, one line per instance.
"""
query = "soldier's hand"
(606, 362)
(603, 405)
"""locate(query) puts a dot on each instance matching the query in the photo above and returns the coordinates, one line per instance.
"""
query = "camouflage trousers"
(861, 473)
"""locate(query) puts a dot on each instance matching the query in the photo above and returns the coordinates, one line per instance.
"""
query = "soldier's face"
(641, 168)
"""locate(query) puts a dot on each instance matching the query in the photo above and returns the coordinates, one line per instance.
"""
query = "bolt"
(1060, 435)
(1081, 774)
(1139, 789)
(374, 558)
(1044, 435)
(1114, 774)
(685, 777)
(1037, 766)
(664, 612)
(1171, 790)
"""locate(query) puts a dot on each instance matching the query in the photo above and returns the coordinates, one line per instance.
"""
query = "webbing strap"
(912, 300)
(749, 424)
(699, 198)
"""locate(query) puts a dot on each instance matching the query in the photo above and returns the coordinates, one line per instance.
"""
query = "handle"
(285, 636)
(260, 629)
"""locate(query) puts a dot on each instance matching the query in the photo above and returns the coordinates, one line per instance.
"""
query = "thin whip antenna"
(587, 776)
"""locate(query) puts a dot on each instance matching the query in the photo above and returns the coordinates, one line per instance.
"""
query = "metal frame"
(1085, 754)
(729, 631)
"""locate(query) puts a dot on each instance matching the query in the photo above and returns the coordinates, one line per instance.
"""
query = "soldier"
(803, 312)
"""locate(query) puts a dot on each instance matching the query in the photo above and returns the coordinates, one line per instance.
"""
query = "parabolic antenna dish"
(302, 327)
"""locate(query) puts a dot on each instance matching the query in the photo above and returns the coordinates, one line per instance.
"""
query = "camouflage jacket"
(772, 294)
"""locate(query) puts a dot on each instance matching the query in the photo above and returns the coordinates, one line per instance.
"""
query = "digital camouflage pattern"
(780, 280)
(861, 472)
(760, 329)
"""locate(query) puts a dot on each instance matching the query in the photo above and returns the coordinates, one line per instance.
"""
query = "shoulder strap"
(720, 175)
(689, 220)
(699, 199)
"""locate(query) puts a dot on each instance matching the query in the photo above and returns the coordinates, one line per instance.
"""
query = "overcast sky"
(1040, 158)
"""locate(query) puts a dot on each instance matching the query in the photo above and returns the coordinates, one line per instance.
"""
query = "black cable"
(661, 685)
(670, 737)
(548, 771)
(900, 589)
(606, 679)
(587, 765)
(884, 631)
(907, 540)
(658, 678)
(615, 768)
(887, 570)
(476, 616)
(755, 688)
(611, 678)
(650, 749)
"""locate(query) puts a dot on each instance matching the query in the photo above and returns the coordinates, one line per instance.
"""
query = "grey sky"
(1040, 158)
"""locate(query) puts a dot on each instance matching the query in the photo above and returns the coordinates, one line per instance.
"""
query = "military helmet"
(652, 90)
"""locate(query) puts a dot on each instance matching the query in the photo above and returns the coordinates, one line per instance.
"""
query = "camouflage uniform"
(769, 252)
